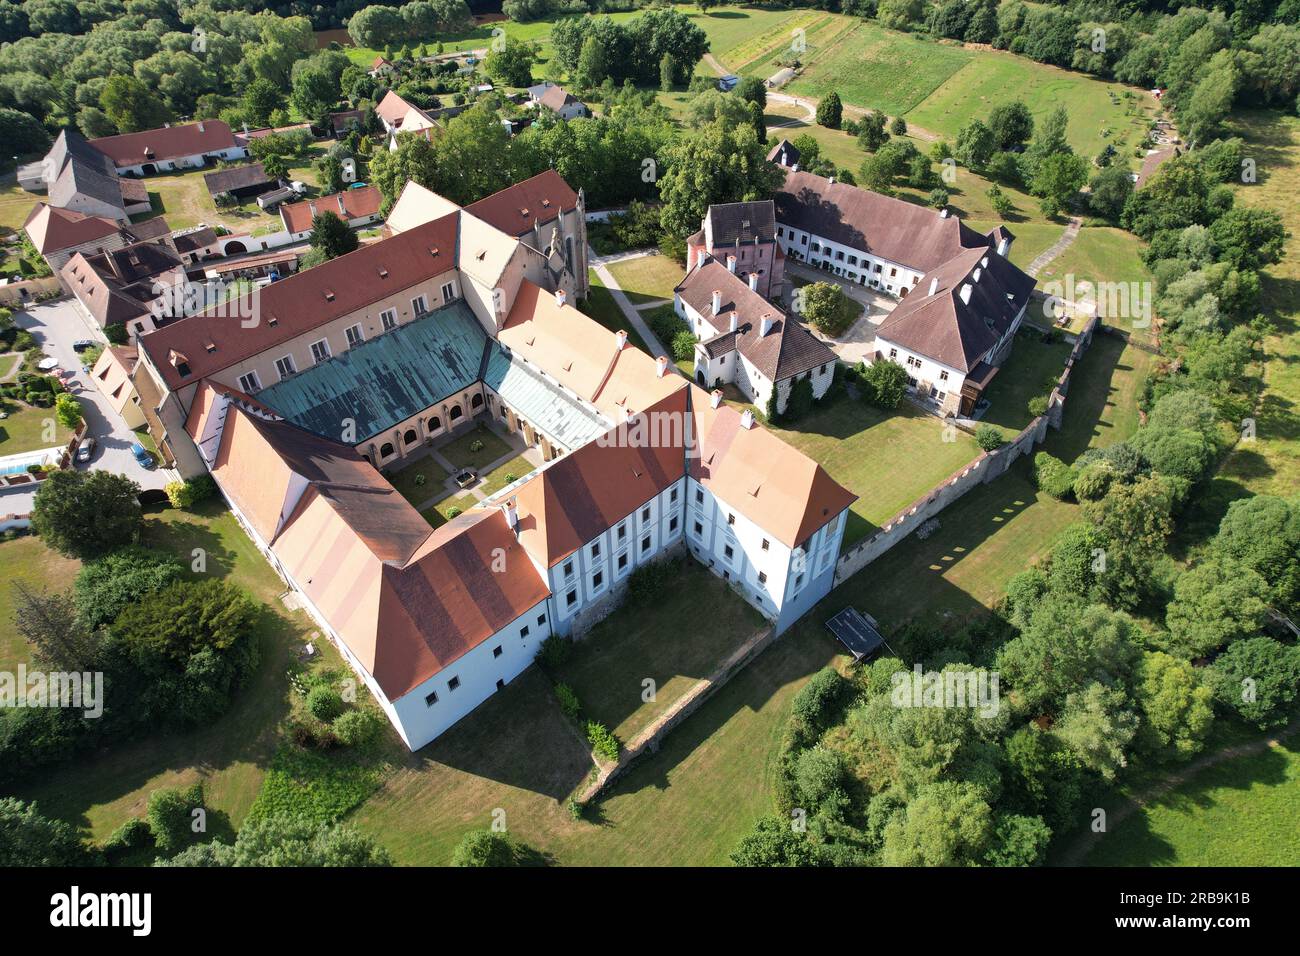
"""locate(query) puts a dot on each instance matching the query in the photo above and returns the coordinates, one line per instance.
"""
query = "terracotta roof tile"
(170, 142)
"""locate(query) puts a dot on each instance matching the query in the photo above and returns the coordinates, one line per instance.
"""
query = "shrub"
(989, 437)
(186, 494)
(357, 727)
(683, 345)
(324, 703)
(555, 650)
(134, 834)
(170, 816)
(453, 512)
(603, 742)
(1037, 406)
(813, 704)
(576, 809)
(476, 445)
(67, 410)
(1053, 476)
(818, 772)
(569, 703)
(884, 384)
(649, 579)
(1093, 481)
(484, 848)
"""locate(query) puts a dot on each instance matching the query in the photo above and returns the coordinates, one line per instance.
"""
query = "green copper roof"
(542, 402)
(386, 380)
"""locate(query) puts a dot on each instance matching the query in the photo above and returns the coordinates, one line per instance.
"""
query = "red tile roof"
(515, 209)
(52, 228)
(302, 302)
(348, 204)
(170, 142)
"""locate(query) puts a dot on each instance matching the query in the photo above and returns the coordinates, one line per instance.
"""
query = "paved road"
(56, 325)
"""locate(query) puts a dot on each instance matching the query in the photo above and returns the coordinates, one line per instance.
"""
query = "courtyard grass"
(439, 514)
(503, 475)
(671, 641)
(888, 459)
(27, 560)
(476, 449)
(647, 278)
(29, 428)
(600, 305)
(1238, 813)
(1031, 371)
(408, 480)
(1031, 239)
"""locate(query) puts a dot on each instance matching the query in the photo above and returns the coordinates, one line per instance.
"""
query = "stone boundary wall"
(983, 469)
(648, 740)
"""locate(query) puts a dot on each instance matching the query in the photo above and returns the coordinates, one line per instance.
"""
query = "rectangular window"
(597, 580)
(453, 683)
(943, 376)
(622, 561)
(645, 544)
(699, 496)
(622, 532)
(541, 619)
(320, 351)
(431, 698)
(729, 552)
(571, 598)
(731, 519)
(766, 544)
(699, 529)
(417, 305)
(355, 336)
(762, 577)
(568, 569)
(249, 382)
(285, 366)
(496, 651)
(645, 514)
(798, 582)
(595, 549)
(388, 319)
(672, 495)
(523, 631)
(448, 292)
(803, 240)
(893, 353)
(672, 525)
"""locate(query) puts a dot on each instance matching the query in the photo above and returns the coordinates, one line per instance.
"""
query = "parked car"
(142, 455)
(81, 345)
(86, 449)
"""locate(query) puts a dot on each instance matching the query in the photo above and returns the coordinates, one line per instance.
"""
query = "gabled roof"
(236, 177)
(112, 374)
(934, 320)
(70, 145)
(120, 285)
(517, 209)
(784, 153)
(305, 301)
(735, 222)
(780, 489)
(584, 356)
(78, 178)
(349, 204)
(588, 491)
(556, 98)
(892, 229)
(386, 380)
(787, 350)
(51, 228)
(397, 112)
(170, 142)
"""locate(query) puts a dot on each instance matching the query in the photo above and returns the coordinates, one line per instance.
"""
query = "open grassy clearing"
(100, 791)
(676, 641)
(1030, 372)
(29, 427)
(1105, 254)
(499, 477)
(647, 279)
(1238, 813)
(27, 560)
(991, 77)
(889, 459)
(1031, 239)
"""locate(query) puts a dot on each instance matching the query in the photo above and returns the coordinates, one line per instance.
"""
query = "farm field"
(1238, 813)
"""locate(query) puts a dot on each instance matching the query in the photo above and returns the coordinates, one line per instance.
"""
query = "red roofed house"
(356, 207)
(185, 146)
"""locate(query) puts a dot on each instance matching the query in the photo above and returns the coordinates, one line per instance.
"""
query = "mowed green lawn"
(600, 305)
(1239, 813)
(100, 791)
(648, 278)
(1031, 371)
(29, 428)
(675, 641)
(888, 459)
(28, 561)
(1105, 254)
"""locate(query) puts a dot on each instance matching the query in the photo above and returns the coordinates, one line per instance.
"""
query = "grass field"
(889, 459)
(27, 560)
(100, 791)
(600, 305)
(406, 480)
(648, 278)
(1105, 254)
(671, 641)
(1030, 372)
(28, 428)
(1239, 813)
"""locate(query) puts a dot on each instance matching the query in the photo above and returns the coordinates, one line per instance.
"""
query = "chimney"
(717, 301)
(934, 286)
(731, 264)
(735, 320)
(622, 339)
(200, 126)
(661, 366)
(560, 296)
(715, 398)
(747, 419)
(965, 294)
(704, 257)
(753, 282)
(830, 180)
(512, 516)
(943, 213)
(1004, 244)
(975, 276)
(765, 324)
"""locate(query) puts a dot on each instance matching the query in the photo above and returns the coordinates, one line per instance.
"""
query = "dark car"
(81, 345)
(86, 450)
